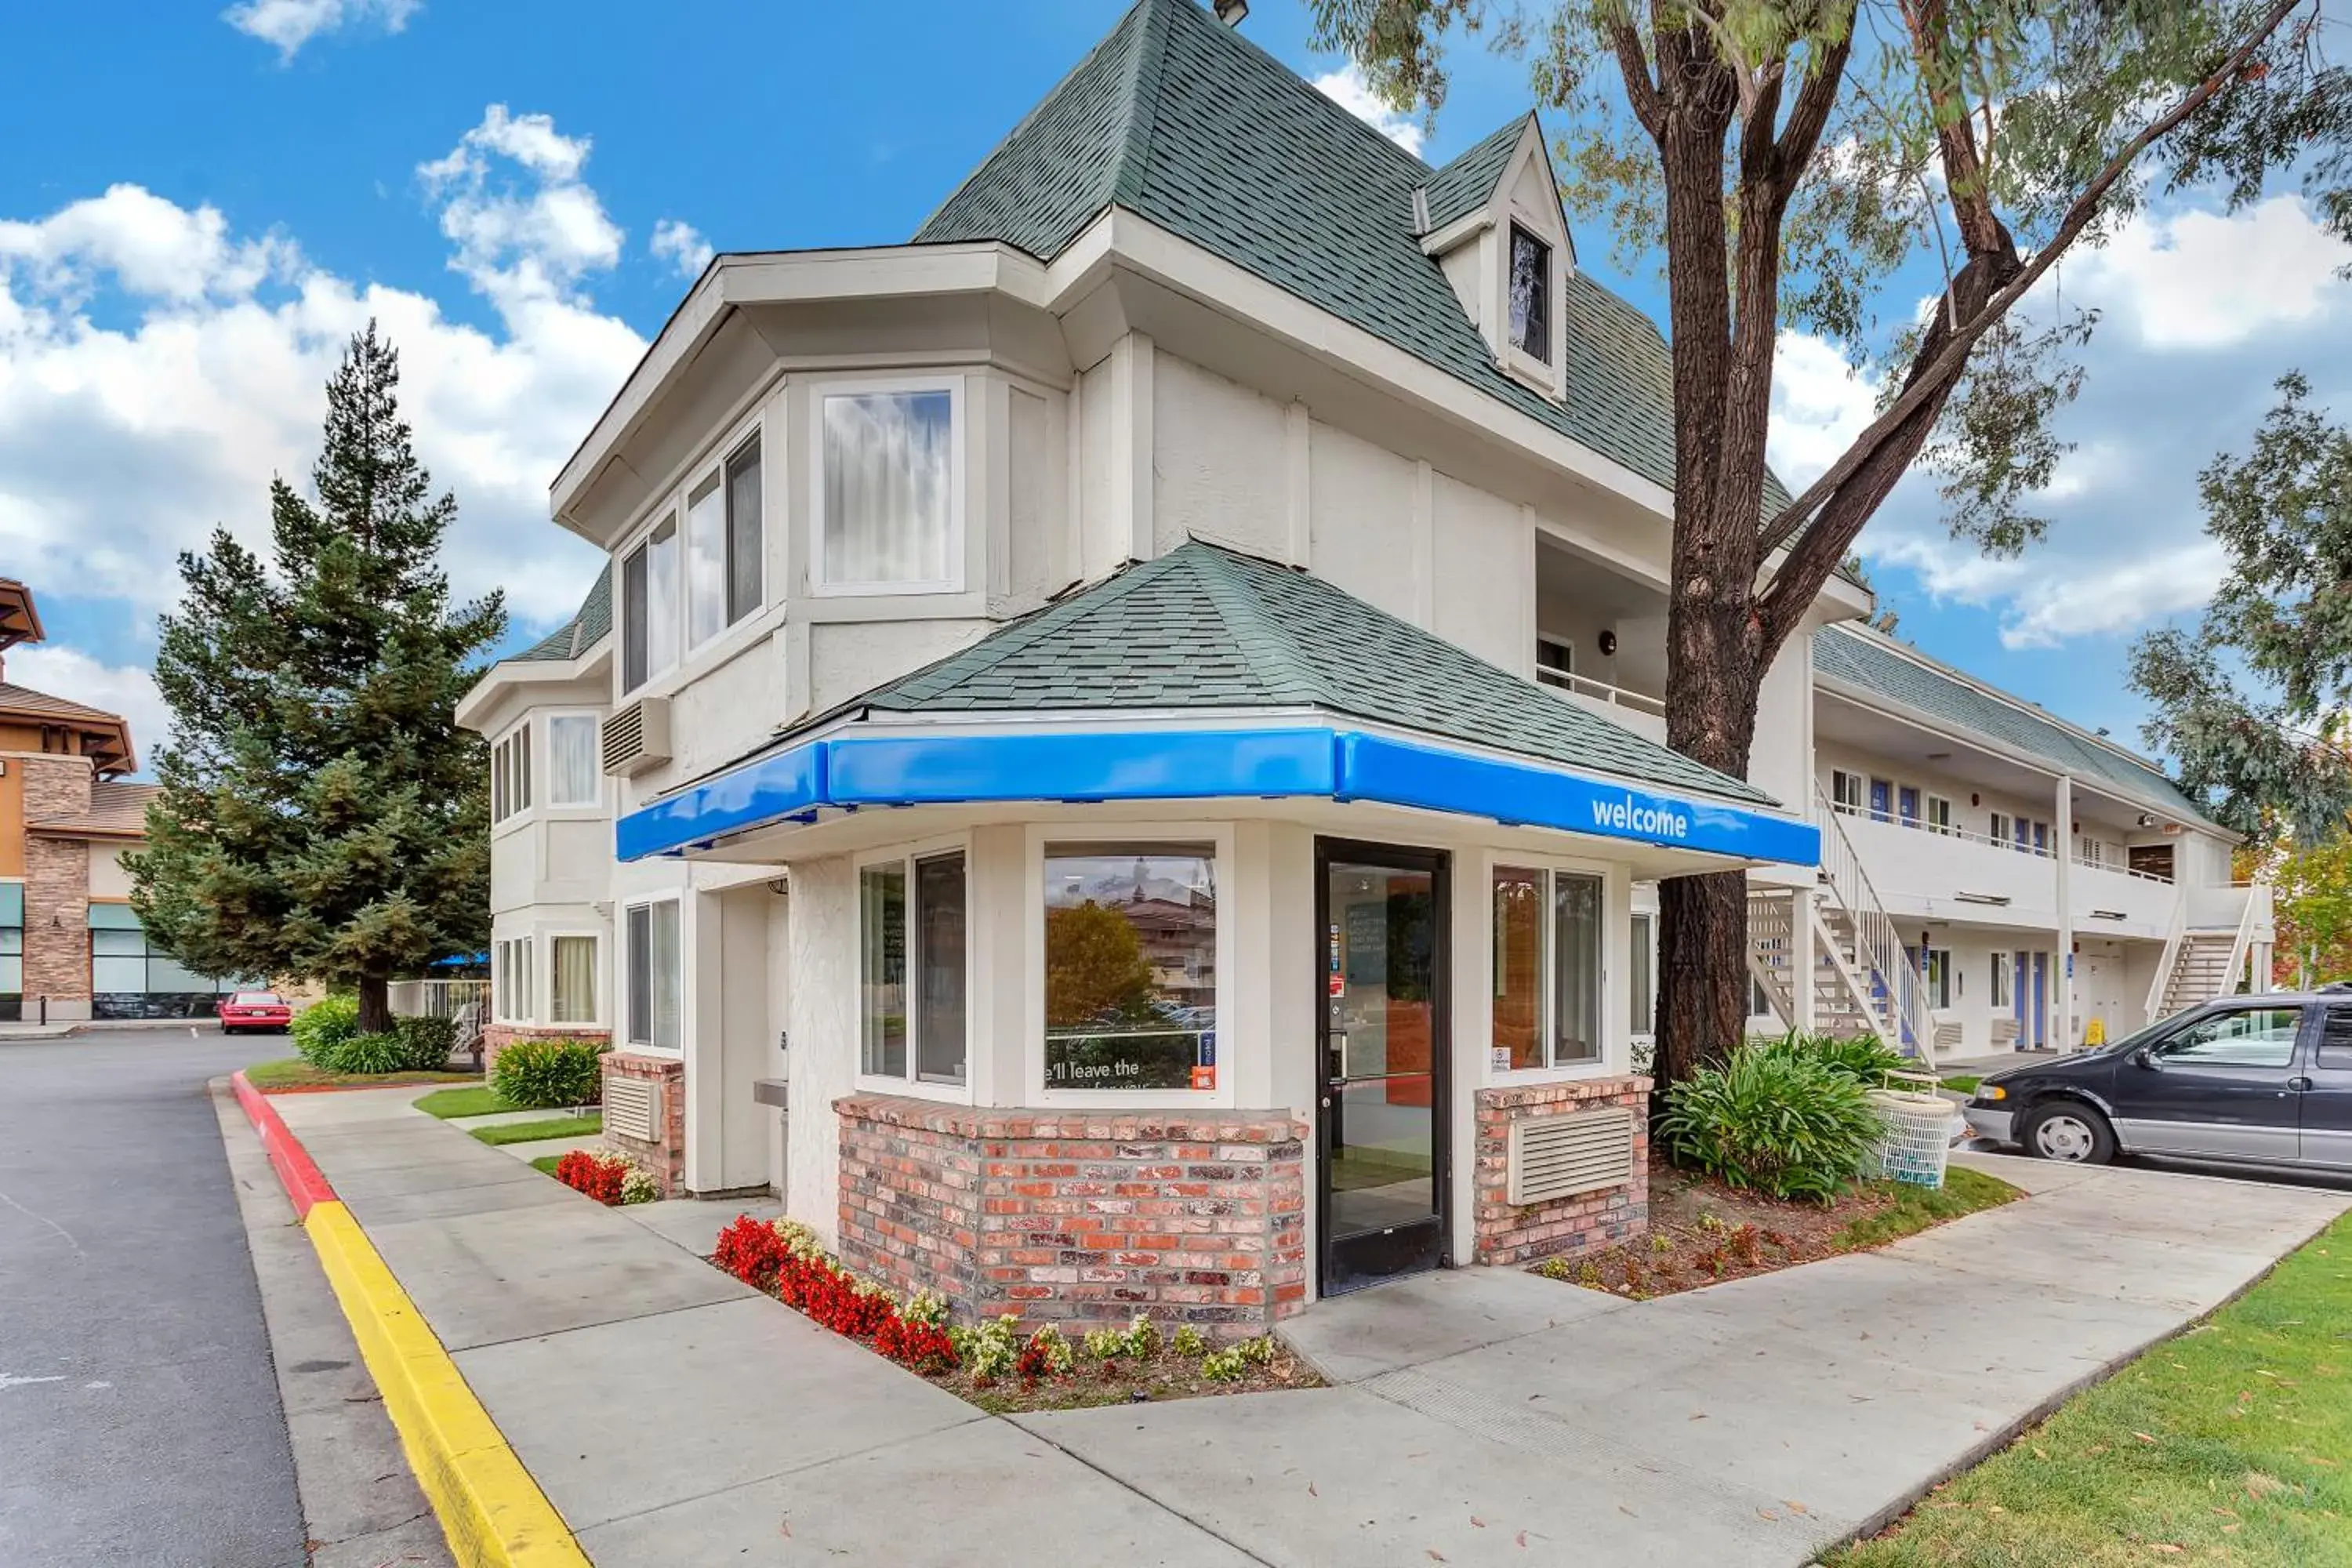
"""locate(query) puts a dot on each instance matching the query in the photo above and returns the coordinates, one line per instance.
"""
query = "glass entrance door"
(1381, 1186)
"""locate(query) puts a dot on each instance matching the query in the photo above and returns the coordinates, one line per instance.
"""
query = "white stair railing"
(2171, 959)
(1899, 991)
(2238, 946)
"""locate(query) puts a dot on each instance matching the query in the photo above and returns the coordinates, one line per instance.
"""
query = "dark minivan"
(2256, 1079)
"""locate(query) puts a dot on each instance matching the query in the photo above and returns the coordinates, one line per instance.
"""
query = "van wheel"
(2069, 1131)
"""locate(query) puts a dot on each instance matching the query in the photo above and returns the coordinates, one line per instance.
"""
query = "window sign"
(1131, 967)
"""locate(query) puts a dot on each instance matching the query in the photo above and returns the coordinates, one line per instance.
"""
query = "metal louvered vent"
(1560, 1156)
(632, 1108)
(638, 737)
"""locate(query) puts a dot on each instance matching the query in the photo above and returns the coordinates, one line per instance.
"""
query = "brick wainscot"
(666, 1155)
(1082, 1218)
(1509, 1233)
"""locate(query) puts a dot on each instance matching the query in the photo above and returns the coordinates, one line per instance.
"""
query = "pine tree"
(321, 814)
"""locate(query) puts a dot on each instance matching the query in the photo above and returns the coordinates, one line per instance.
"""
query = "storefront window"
(1547, 992)
(933, 1036)
(1130, 966)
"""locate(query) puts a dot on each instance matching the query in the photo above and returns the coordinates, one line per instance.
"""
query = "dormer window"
(1530, 324)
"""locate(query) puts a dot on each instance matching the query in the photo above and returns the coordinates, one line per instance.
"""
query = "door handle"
(2300, 1085)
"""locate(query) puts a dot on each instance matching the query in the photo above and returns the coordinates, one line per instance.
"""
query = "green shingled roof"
(584, 631)
(1860, 660)
(1208, 627)
(1188, 124)
(1471, 178)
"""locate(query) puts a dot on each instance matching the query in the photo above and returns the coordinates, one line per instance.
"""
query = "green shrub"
(540, 1074)
(367, 1054)
(1860, 1057)
(1783, 1121)
(428, 1043)
(322, 1026)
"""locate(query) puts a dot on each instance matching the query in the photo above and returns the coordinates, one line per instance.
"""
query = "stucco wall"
(1362, 532)
(823, 1009)
(1220, 462)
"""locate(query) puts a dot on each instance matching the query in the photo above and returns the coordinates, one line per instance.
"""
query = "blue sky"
(194, 211)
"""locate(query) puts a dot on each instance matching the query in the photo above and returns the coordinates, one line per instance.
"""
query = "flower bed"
(610, 1179)
(992, 1364)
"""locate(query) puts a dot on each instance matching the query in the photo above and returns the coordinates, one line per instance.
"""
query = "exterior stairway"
(2204, 969)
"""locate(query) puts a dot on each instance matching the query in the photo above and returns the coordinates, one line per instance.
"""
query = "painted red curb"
(305, 1184)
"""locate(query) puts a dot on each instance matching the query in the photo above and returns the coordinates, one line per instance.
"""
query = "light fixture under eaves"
(1980, 897)
(1940, 756)
(1232, 12)
(2107, 914)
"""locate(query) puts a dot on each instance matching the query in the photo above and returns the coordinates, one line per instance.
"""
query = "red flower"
(598, 1175)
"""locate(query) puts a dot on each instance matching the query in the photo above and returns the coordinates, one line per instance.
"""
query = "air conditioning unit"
(1561, 1156)
(638, 737)
(632, 1108)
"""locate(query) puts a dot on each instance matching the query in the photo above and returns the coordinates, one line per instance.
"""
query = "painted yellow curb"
(493, 1513)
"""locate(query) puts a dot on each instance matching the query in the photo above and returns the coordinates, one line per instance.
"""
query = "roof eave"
(509, 674)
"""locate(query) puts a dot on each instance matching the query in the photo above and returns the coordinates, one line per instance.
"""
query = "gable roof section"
(1208, 627)
(587, 627)
(1913, 681)
(1185, 122)
(1470, 179)
(109, 754)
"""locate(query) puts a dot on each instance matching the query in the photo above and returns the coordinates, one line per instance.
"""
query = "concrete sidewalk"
(676, 1417)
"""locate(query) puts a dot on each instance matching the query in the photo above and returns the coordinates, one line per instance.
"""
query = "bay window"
(511, 991)
(572, 775)
(649, 606)
(723, 546)
(656, 979)
(912, 979)
(571, 980)
(1546, 968)
(889, 517)
(1131, 958)
(511, 774)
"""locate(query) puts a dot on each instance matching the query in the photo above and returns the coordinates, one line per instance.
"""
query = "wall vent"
(632, 1108)
(638, 737)
(1561, 1156)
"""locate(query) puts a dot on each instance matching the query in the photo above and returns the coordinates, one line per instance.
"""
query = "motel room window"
(1938, 970)
(572, 775)
(1846, 790)
(571, 980)
(2001, 998)
(656, 976)
(1547, 989)
(1530, 295)
(890, 520)
(1939, 815)
(1999, 832)
(723, 546)
(1130, 959)
(912, 1003)
(511, 774)
(649, 606)
(510, 981)
(1644, 994)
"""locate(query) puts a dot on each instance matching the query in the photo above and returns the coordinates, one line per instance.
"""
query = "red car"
(257, 1010)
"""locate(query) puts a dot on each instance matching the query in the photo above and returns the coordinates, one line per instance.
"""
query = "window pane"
(12, 903)
(571, 994)
(1530, 295)
(1520, 927)
(940, 925)
(572, 762)
(889, 469)
(668, 979)
(164, 974)
(661, 597)
(1576, 969)
(633, 619)
(12, 975)
(744, 550)
(2256, 1038)
(641, 987)
(706, 562)
(118, 974)
(12, 939)
(1130, 966)
(522, 769)
(116, 943)
(882, 970)
(1646, 1001)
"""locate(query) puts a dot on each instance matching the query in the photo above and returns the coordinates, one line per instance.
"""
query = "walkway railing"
(1888, 966)
(1601, 691)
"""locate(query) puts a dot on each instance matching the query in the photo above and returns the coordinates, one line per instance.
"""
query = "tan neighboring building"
(70, 947)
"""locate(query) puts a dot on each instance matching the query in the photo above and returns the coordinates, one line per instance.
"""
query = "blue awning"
(917, 768)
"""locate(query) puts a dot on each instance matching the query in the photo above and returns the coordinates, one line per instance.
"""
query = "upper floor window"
(649, 606)
(572, 778)
(1530, 295)
(723, 546)
(1845, 790)
(1555, 661)
(1940, 813)
(511, 774)
(889, 519)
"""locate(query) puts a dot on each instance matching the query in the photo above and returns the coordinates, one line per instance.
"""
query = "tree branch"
(1954, 354)
(1809, 116)
(1640, 88)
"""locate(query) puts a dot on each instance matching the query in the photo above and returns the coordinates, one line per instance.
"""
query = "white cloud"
(1347, 88)
(127, 433)
(287, 25)
(1819, 403)
(682, 246)
(125, 689)
(2203, 281)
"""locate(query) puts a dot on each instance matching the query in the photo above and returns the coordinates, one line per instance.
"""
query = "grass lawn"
(2231, 1444)
(474, 1099)
(1915, 1208)
(545, 1164)
(1963, 1082)
(274, 1077)
(532, 1132)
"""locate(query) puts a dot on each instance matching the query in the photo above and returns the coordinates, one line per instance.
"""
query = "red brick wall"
(1509, 1233)
(666, 1155)
(1076, 1217)
(497, 1038)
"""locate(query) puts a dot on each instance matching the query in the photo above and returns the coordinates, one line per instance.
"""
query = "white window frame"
(596, 1018)
(2002, 987)
(709, 462)
(1941, 988)
(626, 983)
(594, 804)
(507, 781)
(2000, 827)
(1641, 957)
(959, 443)
(713, 471)
(1844, 781)
(1939, 818)
(1219, 836)
(507, 963)
(1615, 1011)
(912, 1087)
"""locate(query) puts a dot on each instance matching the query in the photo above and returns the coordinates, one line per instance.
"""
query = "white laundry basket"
(1919, 1126)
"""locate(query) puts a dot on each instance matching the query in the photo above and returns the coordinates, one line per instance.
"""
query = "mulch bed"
(1126, 1382)
(1703, 1233)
